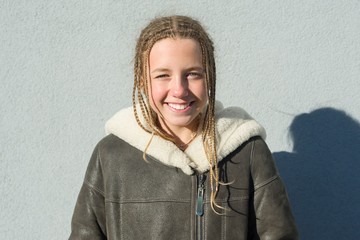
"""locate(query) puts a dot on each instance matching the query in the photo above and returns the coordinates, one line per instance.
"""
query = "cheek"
(159, 90)
(201, 91)
(157, 93)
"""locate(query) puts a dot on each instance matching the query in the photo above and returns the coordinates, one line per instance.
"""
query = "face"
(177, 86)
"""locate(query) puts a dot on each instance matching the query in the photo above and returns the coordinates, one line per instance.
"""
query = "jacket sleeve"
(274, 219)
(88, 221)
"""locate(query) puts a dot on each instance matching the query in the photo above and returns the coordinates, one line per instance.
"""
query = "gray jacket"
(124, 197)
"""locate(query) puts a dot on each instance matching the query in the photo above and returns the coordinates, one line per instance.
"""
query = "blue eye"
(195, 75)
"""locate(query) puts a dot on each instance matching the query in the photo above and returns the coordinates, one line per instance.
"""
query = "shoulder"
(255, 154)
(113, 148)
(260, 152)
(110, 152)
(110, 143)
(249, 150)
(234, 128)
(111, 156)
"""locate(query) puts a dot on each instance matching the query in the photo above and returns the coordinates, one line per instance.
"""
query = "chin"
(185, 123)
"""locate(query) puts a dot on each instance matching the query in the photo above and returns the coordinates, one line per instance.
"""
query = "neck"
(183, 136)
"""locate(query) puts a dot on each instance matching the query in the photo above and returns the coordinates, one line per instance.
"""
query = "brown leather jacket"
(124, 197)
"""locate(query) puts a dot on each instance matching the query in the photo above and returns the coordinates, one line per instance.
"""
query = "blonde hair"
(177, 27)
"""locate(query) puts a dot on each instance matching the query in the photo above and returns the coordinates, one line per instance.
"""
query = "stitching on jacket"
(266, 182)
(232, 199)
(121, 220)
(96, 189)
(147, 201)
(251, 154)
(92, 187)
(113, 200)
(223, 225)
(260, 185)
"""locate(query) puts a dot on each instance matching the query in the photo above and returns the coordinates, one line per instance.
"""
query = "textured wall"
(66, 67)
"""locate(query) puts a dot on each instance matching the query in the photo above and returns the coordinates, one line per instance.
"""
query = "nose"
(179, 87)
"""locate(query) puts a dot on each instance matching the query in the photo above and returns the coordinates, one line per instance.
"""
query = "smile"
(179, 106)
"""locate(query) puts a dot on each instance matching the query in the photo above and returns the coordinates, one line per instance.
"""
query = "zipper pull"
(200, 196)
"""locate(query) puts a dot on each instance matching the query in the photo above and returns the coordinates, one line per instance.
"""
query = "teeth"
(178, 106)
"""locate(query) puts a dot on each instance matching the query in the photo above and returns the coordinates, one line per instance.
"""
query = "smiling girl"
(177, 165)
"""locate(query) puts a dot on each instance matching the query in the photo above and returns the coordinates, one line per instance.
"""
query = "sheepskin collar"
(233, 126)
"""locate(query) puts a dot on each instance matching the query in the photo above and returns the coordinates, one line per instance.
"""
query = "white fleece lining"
(233, 125)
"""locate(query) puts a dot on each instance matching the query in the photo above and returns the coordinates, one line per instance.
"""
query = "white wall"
(66, 67)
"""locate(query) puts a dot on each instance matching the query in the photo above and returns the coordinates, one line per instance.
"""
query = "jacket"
(168, 196)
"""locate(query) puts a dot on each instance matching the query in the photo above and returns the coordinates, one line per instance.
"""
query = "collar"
(234, 126)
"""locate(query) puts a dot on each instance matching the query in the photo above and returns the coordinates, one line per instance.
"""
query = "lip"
(179, 107)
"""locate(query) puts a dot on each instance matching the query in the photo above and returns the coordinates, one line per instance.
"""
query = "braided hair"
(185, 28)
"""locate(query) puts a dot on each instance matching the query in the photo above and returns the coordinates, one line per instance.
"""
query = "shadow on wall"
(322, 174)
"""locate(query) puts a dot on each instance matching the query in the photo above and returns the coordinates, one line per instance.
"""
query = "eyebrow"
(201, 69)
(160, 70)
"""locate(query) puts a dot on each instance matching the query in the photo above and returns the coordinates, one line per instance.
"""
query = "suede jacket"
(167, 197)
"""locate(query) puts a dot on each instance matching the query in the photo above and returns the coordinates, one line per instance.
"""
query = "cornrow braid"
(177, 27)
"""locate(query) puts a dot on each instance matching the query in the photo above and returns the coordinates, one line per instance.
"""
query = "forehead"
(177, 40)
(173, 49)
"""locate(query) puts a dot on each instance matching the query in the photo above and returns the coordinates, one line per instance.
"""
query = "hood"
(233, 127)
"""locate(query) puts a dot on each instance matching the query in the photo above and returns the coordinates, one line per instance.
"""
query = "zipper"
(199, 211)
(200, 195)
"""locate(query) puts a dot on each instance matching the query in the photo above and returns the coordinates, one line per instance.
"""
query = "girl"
(177, 165)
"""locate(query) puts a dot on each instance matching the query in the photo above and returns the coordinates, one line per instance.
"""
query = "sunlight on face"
(177, 86)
